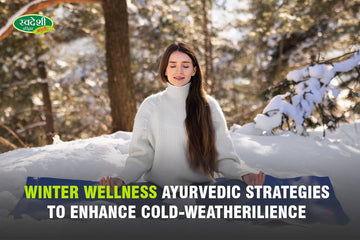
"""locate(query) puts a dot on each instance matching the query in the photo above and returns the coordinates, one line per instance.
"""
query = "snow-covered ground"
(282, 155)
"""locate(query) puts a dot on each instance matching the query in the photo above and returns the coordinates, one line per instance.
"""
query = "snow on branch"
(310, 83)
(34, 7)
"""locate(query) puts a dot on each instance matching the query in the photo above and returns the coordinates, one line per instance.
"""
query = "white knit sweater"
(158, 145)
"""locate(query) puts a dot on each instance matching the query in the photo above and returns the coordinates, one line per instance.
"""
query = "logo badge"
(33, 23)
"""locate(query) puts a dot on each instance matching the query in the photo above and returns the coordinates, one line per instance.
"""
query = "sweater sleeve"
(229, 163)
(141, 151)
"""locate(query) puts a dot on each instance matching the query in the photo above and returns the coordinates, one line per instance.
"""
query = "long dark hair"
(199, 127)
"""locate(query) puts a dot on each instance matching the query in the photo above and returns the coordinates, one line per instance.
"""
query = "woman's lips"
(179, 78)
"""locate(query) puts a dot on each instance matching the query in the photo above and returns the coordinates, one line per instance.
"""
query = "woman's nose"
(179, 69)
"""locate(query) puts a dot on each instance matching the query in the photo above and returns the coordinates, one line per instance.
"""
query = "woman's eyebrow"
(182, 62)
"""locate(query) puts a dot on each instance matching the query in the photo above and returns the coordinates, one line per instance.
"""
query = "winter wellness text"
(169, 202)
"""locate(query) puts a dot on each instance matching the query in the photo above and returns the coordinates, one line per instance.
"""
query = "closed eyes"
(173, 66)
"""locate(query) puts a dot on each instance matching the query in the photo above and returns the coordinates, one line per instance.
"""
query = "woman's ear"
(194, 71)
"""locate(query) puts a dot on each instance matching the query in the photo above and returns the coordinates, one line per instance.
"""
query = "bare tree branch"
(34, 7)
(22, 84)
(31, 126)
(12, 133)
(339, 58)
(6, 143)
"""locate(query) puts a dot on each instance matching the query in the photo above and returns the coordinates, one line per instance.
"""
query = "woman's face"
(180, 69)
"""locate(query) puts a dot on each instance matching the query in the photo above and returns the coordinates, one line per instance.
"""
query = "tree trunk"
(49, 127)
(118, 63)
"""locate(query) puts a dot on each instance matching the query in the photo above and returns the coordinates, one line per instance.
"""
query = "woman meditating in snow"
(180, 135)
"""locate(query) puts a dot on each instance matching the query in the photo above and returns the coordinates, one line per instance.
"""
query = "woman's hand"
(254, 179)
(110, 181)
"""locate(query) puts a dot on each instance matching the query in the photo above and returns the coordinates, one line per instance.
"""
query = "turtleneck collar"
(178, 92)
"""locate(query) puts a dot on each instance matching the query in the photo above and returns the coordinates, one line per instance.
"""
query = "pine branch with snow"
(311, 87)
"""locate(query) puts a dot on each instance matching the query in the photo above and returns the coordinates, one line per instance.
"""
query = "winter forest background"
(248, 49)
